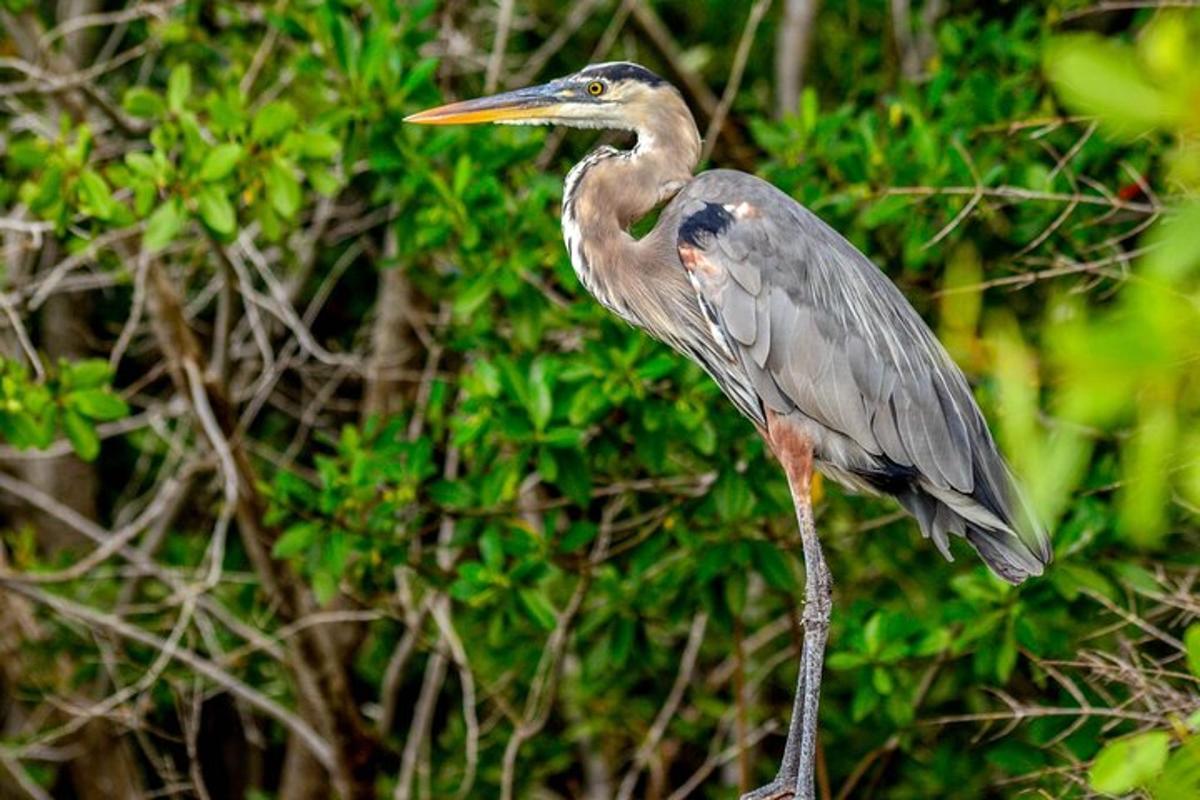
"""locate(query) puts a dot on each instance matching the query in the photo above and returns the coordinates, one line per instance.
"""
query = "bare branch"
(687, 666)
(717, 123)
(319, 747)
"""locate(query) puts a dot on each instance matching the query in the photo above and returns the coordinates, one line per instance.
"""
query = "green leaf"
(772, 565)
(574, 477)
(163, 225)
(325, 586)
(873, 634)
(658, 366)
(1191, 640)
(283, 190)
(220, 161)
(89, 373)
(844, 660)
(1071, 579)
(452, 494)
(98, 404)
(324, 181)
(81, 434)
(1102, 78)
(577, 536)
(144, 103)
(539, 607)
(563, 437)
(1128, 763)
(732, 496)
(216, 210)
(96, 195)
(1006, 654)
(141, 164)
(419, 75)
(49, 188)
(295, 540)
(492, 549)
(624, 631)
(541, 402)
(272, 120)
(317, 144)
(468, 300)
(1137, 577)
(1180, 780)
(866, 700)
(179, 87)
(336, 552)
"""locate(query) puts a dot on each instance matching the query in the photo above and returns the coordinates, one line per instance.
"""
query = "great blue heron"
(802, 332)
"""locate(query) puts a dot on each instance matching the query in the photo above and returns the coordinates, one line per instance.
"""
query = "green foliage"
(70, 401)
(1122, 364)
(545, 465)
(1127, 764)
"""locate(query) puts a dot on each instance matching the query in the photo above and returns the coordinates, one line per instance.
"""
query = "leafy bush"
(380, 497)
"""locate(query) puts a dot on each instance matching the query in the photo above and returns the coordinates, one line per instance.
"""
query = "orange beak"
(527, 106)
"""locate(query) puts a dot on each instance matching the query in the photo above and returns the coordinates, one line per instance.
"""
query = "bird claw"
(777, 789)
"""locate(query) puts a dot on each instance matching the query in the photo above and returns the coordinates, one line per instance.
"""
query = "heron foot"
(778, 789)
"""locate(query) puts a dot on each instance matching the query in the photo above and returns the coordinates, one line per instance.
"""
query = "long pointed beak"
(532, 103)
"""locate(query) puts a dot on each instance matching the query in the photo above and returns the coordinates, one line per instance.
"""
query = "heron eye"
(595, 88)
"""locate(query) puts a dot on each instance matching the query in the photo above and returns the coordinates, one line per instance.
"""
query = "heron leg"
(784, 785)
(797, 772)
(818, 604)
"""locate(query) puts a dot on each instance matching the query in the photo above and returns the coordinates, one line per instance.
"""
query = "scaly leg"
(818, 603)
(797, 772)
(784, 785)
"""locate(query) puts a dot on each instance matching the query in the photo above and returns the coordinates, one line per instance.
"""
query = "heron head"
(618, 95)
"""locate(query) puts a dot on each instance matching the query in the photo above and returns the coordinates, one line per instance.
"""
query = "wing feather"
(738, 312)
(819, 334)
(834, 336)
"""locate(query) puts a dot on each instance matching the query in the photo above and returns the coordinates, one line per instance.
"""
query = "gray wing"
(821, 332)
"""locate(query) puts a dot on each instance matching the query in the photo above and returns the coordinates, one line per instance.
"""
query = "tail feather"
(1005, 533)
(995, 518)
(1006, 554)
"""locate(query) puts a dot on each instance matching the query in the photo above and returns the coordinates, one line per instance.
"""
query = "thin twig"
(717, 122)
(683, 676)
(499, 44)
(315, 743)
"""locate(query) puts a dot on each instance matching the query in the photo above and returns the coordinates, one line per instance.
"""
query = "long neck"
(610, 190)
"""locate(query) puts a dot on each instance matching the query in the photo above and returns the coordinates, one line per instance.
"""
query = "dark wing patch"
(700, 227)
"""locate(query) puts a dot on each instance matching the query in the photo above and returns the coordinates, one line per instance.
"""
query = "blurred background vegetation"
(323, 477)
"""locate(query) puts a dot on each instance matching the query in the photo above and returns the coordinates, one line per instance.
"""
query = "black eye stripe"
(622, 70)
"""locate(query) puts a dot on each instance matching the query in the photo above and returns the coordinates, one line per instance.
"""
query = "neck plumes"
(610, 190)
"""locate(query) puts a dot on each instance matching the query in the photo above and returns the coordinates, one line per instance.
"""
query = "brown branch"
(540, 698)
(717, 124)
(316, 659)
(319, 747)
(792, 45)
(693, 84)
(683, 676)
(496, 60)
(1017, 193)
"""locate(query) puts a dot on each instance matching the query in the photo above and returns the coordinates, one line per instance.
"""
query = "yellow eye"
(595, 88)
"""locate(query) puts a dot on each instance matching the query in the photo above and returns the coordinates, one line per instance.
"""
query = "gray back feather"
(820, 332)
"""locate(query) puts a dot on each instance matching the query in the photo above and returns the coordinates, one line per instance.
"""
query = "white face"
(591, 101)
